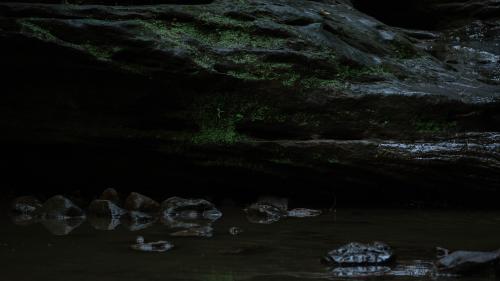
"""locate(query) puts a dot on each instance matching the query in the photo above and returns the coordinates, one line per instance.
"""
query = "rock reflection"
(135, 221)
(104, 223)
(61, 227)
(188, 213)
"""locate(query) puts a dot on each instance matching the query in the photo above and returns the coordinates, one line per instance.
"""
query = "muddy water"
(287, 250)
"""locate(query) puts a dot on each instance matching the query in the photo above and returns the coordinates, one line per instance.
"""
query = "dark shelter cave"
(250, 140)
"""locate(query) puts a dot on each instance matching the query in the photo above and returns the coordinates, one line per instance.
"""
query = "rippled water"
(287, 250)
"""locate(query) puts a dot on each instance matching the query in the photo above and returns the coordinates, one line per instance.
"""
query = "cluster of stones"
(188, 217)
(377, 259)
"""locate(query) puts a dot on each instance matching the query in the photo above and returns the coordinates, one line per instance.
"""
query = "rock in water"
(263, 213)
(280, 203)
(303, 213)
(204, 231)
(188, 213)
(141, 203)
(110, 194)
(25, 210)
(235, 230)
(159, 246)
(354, 254)
(464, 262)
(27, 205)
(60, 207)
(105, 208)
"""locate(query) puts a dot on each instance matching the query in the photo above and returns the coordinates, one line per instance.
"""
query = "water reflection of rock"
(178, 212)
(60, 208)
(204, 231)
(135, 221)
(62, 227)
(269, 210)
(412, 269)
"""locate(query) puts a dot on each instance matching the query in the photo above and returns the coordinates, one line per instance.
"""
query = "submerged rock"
(60, 207)
(105, 208)
(141, 203)
(204, 231)
(158, 246)
(303, 213)
(467, 262)
(188, 213)
(263, 213)
(354, 254)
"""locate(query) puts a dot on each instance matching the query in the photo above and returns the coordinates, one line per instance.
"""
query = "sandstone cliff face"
(269, 86)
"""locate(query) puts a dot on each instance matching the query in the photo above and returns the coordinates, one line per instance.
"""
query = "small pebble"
(235, 230)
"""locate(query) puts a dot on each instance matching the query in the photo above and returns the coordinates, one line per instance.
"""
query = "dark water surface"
(287, 250)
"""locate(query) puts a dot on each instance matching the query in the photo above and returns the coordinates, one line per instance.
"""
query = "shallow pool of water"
(287, 250)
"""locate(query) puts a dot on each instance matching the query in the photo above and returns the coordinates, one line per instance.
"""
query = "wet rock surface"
(383, 103)
(355, 254)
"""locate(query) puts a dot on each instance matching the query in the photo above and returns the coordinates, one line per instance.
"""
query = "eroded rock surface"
(269, 87)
